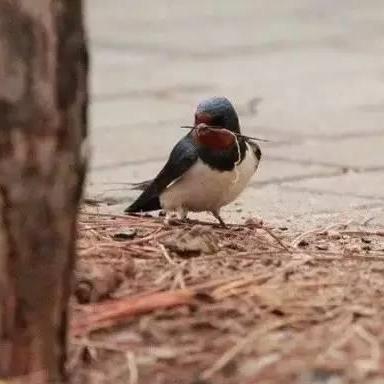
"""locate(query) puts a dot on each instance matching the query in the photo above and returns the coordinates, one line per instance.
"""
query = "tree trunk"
(43, 101)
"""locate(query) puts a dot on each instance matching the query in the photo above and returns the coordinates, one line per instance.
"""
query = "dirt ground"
(197, 304)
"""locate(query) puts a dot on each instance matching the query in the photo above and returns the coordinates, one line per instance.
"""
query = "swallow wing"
(182, 157)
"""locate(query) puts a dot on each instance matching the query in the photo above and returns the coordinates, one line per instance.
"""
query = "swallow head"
(215, 119)
(217, 112)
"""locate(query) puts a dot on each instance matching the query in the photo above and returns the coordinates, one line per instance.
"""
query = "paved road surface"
(307, 74)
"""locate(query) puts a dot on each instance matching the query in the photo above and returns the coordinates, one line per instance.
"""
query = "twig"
(373, 343)
(214, 283)
(166, 255)
(235, 133)
(367, 221)
(164, 276)
(363, 233)
(233, 287)
(296, 240)
(110, 215)
(178, 280)
(136, 219)
(132, 368)
(351, 257)
(155, 236)
(111, 313)
(270, 233)
(237, 348)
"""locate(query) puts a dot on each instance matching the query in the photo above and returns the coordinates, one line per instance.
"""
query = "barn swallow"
(207, 169)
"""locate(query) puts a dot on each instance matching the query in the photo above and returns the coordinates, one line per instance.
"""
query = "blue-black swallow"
(207, 169)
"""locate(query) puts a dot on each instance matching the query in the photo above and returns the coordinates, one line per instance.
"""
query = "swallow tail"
(144, 205)
(142, 186)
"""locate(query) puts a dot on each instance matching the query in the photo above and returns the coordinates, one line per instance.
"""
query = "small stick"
(237, 348)
(109, 215)
(155, 236)
(296, 241)
(237, 134)
(270, 233)
(166, 254)
(363, 233)
(132, 367)
(113, 312)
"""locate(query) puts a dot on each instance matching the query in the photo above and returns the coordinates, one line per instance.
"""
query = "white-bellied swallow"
(207, 169)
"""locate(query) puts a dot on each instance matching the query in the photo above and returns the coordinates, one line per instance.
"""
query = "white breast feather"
(204, 189)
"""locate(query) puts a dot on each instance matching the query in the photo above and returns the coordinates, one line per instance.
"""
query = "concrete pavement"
(317, 67)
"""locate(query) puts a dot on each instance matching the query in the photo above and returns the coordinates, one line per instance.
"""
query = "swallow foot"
(182, 214)
(219, 219)
(176, 218)
(171, 219)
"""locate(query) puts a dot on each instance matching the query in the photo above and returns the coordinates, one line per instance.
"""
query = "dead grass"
(200, 304)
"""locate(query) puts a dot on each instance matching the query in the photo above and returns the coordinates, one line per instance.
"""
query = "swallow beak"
(205, 127)
(202, 127)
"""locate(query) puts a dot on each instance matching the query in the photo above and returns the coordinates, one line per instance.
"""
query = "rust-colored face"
(204, 118)
(209, 134)
(214, 138)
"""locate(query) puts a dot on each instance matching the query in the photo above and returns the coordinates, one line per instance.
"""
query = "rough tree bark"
(43, 101)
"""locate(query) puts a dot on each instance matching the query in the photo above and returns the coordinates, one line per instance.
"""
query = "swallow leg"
(169, 218)
(219, 219)
(175, 218)
(182, 214)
